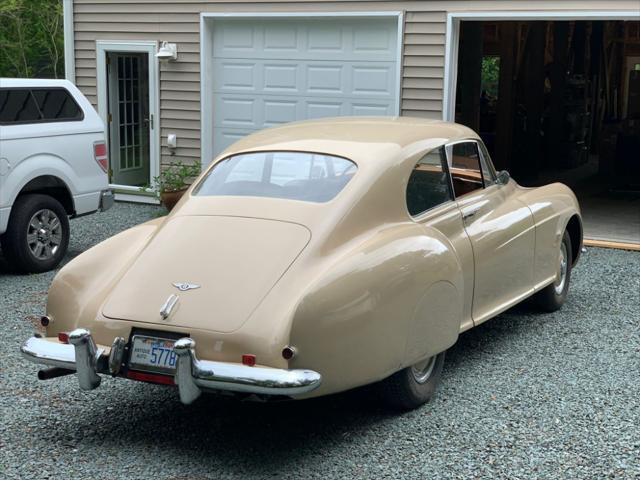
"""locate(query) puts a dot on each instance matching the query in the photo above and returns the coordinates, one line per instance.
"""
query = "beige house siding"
(178, 22)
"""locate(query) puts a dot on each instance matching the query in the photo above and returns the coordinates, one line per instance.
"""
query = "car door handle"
(469, 214)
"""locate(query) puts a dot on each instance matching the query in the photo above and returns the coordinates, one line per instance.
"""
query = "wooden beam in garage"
(558, 77)
(506, 97)
(470, 74)
(533, 100)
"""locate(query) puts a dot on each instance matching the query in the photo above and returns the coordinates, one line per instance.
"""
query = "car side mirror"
(503, 177)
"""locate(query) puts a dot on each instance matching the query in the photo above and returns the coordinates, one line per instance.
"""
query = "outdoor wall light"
(168, 52)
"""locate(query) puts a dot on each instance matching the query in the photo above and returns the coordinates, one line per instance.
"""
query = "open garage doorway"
(559, 100)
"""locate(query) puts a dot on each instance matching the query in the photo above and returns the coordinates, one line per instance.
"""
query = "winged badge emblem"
(184, 286)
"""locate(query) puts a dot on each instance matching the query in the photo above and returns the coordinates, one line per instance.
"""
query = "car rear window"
(309, 177)
(37, 105)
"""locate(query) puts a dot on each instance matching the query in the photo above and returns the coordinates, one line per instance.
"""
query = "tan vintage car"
(313, 258)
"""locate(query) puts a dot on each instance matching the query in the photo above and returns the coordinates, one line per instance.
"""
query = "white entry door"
(268, 71)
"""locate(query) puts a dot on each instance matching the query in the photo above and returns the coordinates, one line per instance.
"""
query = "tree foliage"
(31, 38)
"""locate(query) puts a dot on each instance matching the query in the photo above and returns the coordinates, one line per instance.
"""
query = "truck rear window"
(309, 177)
(37, 105)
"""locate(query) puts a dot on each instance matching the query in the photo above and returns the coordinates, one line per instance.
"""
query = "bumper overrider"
(192, 376)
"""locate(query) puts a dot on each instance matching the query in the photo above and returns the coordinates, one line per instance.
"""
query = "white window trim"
(206, 72)
(453, 37)
(149, 47)
(69, 41)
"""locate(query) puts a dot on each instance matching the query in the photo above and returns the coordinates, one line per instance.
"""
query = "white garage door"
(269, 71)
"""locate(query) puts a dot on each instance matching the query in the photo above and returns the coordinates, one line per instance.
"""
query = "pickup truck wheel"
(553, 296)
(37, 236)
(412, 386)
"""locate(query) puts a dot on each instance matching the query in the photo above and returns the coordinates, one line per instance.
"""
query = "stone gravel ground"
(522, 396)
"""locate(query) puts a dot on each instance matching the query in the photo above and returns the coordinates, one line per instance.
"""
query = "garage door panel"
(238, 111)
(370, 80)
(373, 39)
(236, 76)
(280, 77)
(224, 137)
(378, 42)
(279, 111)
(371, 109)
(272, 71)
(322, 109)
(358, 79)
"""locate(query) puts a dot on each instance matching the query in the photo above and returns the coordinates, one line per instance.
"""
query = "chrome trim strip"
(194, 375)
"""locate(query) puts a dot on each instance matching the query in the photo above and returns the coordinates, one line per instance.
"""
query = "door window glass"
(18, 106)
(428, 184)
(466, 172)
(488, 172)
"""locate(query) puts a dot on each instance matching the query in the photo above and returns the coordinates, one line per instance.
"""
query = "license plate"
(152, 354)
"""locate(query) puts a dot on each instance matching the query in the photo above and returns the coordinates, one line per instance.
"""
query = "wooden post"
(533, 100)
(558, 79)
(470, 74)
(506, 97)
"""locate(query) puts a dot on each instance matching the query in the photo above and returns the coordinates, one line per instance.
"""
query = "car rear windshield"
(309, 177)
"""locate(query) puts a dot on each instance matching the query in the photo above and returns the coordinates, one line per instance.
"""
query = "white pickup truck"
(53, 165)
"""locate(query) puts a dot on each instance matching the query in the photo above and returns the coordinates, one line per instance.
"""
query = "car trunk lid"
(219, 267)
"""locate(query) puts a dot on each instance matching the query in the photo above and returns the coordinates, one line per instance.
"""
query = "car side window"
(18, 106)
(488, 172)
(37, 105)
(428, 184)
(465, 168)
(57, 104)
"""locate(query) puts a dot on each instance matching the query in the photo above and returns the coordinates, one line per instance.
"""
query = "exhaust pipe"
(54, 372)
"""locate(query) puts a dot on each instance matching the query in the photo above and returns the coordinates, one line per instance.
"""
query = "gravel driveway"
(522, 396)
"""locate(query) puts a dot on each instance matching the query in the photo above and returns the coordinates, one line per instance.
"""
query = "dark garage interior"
(560, 101)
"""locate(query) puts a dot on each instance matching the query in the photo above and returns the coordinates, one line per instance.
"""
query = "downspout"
(69, 40)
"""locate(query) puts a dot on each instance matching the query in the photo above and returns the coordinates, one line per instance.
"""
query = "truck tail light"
(100, 155)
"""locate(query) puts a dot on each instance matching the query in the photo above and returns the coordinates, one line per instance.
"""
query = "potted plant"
(173, 181)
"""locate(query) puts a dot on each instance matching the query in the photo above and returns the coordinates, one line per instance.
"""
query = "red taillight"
(151, 378)
(249, 360)
(63, 337)
(100, 155)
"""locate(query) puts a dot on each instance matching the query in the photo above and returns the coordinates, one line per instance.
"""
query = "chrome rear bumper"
(192, 375)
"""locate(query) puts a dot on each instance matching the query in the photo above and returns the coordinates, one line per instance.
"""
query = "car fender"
(81, 286)
(33, 167)
(394, 300)
(552, 206)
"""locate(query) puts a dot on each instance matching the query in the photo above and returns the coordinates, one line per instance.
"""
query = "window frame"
(445, 169)
(80, 118)
(487, 161)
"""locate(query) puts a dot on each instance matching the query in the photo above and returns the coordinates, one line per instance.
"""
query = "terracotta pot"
(169, 199)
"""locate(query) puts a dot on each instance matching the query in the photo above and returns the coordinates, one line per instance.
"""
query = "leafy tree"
(31, 38)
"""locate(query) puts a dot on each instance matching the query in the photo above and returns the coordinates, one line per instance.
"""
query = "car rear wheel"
(412, 386)
(37, 236)
(553, 296)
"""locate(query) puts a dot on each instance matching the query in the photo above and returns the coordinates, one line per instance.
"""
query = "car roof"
(33, 82)
(361, 139)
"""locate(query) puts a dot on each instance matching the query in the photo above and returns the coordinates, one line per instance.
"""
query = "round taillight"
(289, 352)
